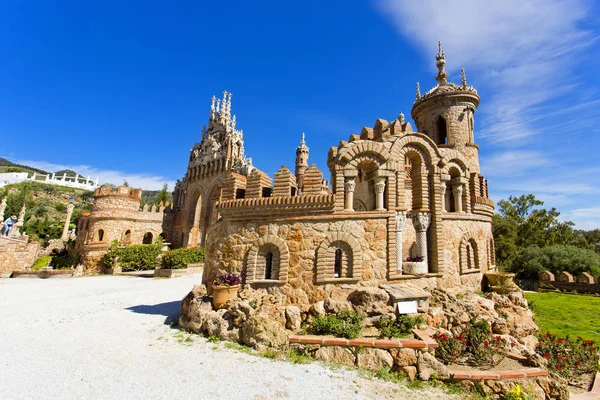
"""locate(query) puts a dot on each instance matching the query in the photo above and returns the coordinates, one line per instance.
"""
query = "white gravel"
(106, 338)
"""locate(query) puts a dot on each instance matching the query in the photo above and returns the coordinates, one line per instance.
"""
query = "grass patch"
(270, 354)
(567, 314)
(238, 347)
(184, 338)
(213, 339)
(298, 356)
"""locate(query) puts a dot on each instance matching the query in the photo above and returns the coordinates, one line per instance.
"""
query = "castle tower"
(446, 113)
(301, 161)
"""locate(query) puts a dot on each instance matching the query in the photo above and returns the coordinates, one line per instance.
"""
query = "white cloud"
(584, 218)
(524, 51)
(137, 180)
(513, 162)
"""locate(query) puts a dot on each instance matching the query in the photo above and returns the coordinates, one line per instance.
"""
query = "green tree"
(163, 195)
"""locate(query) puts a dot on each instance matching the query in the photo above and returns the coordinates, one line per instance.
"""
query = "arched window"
(268, 265)
(337, 267)
(127, 237)
(100, 235)
(148, 238)
(442, 130)
(267, 262)
(469, 255)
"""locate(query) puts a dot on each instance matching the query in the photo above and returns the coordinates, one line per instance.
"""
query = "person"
(8, 224)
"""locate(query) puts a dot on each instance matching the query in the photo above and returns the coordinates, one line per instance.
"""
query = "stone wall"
(16, 253)
(232, 244)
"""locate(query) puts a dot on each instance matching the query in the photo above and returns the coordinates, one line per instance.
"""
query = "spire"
(464, 78)
(303, 145)
(401, 117)
(418, 91)
(442, 76)
(212, 108)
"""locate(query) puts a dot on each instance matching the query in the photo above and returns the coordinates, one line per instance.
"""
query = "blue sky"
(120, 90)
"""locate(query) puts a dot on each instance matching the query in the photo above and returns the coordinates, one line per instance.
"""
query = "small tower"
(301, 161)
(445, 113)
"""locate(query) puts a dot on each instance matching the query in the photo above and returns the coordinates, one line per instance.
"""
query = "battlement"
(304, 204)
(122, 191)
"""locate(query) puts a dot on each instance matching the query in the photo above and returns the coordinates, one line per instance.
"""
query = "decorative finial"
(401, 117)
(218, 108)
(212, 107)
(464, 78)
(303, 141)
(418, 91)
(442, 76)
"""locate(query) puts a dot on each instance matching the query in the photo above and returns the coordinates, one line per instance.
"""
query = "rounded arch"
(148, 238)
(455, 163)
(355, 149)
(351, 253)
(268, 260)
(417, 142)
(126, 238)
(469, 253)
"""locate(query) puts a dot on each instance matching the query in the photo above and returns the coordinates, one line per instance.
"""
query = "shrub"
(568, 357)
(533, 260)
(132, 258)
(400, 327)
(475, 345)
(180, 258)
(346, 324)
(41, 262)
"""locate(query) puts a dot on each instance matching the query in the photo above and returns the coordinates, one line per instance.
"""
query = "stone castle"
(404, 206)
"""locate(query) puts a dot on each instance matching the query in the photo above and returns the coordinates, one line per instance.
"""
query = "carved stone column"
(379, 189)
(421, 223)
(457, 190)
(349, 186)
(400, 225)
(65, 233)
(443, 196)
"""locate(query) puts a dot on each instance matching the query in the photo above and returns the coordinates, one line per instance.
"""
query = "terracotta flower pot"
(222, 294)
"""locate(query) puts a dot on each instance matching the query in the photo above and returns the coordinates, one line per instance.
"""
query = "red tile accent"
(294, 339)
(413, 344)
(387, 344)
(361, 342)
(460, 375)
(309, 339)
(484, 375)
(532, 372)
(511, 374)
(335, 342)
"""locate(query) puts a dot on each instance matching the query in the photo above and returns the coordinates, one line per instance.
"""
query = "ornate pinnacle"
(442, 76)
(401, 117)
(464, 78)
(418, 91)
(303, 141)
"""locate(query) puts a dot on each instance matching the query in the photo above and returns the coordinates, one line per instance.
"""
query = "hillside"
(8, 166)
(46, 206)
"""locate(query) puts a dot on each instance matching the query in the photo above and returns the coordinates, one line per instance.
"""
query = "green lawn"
(567, 314)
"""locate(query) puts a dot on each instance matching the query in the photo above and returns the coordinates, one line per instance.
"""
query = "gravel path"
(105, 337)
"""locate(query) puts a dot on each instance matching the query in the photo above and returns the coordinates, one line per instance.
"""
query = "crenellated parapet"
(257, 208)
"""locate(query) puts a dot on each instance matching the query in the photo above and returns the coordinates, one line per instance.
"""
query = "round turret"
(445, 113)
